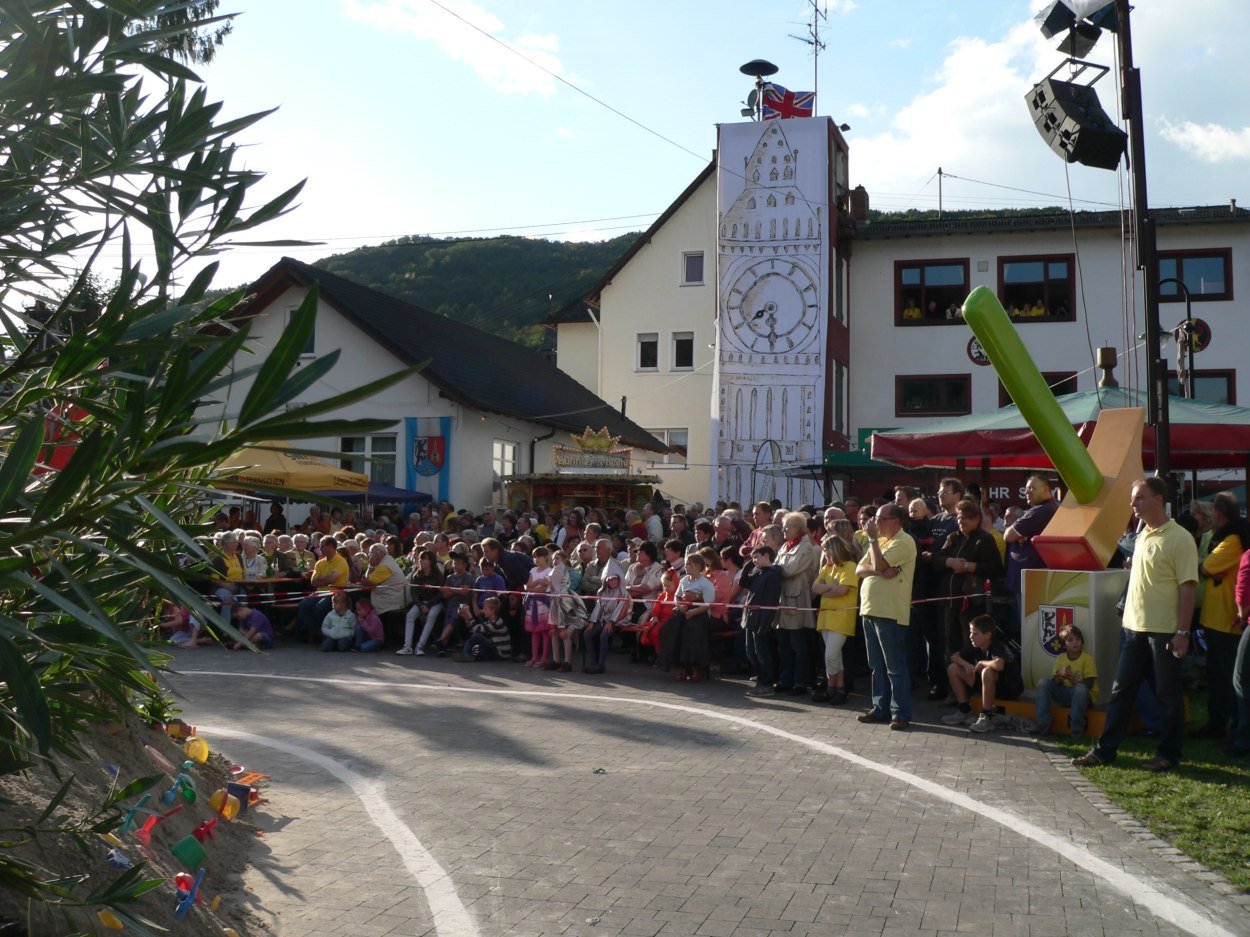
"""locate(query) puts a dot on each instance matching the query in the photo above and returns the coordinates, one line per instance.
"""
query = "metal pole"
(1147, 256)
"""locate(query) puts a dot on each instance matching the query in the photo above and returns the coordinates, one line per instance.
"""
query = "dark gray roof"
(469, 366)
(1059, 219)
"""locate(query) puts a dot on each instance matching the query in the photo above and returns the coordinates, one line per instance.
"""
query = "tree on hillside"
(189, 32)
(104, 448)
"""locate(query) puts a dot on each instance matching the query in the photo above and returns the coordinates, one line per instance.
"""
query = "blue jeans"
(1076, 698)
(1241, 688)
(366, 643)
(794, 648)
(886, 641)
(336, 644)
(311, 613)
(481, 647)
(760, 653)
(598, 640)
(1138, 651)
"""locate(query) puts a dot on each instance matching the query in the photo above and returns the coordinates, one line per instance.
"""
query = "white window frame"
(683, 277)
(311, 350)
(639, 339)
(666, 460)
(672, 350)
(504, 455)
(364, 462)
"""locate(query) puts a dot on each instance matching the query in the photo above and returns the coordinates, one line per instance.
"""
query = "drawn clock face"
(773, 306)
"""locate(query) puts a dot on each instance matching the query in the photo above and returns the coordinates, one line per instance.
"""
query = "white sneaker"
(986, 722)
(957, 718)
(419, 652)
(404, 651)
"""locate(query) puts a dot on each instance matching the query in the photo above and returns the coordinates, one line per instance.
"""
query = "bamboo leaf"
(27, 695)
(281, 360)
(19, 460)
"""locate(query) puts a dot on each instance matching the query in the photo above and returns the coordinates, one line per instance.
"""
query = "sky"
(407, 120)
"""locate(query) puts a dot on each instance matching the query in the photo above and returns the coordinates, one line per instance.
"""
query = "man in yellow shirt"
(1218, 617)
(329, 572)
(886, 574)
(1159, 607)
(911, 310)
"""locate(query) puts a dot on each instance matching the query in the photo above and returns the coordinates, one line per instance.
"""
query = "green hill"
(498, 284)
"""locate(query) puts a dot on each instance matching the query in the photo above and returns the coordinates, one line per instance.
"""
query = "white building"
(482, 408)
(892, 357)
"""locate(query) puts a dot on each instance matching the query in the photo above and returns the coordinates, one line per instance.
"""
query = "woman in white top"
(685, 636)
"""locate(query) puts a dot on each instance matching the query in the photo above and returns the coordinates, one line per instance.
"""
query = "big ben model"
(772, 273)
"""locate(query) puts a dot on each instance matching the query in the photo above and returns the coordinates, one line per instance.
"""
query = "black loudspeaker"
(1074, 125)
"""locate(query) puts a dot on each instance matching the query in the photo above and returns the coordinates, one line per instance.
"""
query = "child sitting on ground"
(983, 661)
(488, 635)
(369, 633)
(339, 625)
(1073, 683)
(254, 625)
(183, 627)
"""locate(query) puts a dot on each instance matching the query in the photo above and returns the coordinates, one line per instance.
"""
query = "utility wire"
(566, 82)
(1012, 188)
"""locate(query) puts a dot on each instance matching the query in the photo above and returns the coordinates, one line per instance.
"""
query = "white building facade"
(453, 437)
(887, 349)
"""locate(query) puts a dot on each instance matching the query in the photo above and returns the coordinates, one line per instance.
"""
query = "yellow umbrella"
(275, 465)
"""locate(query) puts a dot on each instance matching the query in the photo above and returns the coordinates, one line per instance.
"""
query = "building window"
(692, 268)
(308, 351)
(1208, 274)
(648, 352)
(676, 439)
(1060, 382)
(1211, 386)
(929, 292)
(683, 351)
(932, 394)
(370, 455)
(502, 462)
(1032, 288)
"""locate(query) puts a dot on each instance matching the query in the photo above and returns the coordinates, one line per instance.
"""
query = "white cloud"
(498, 67)
(1211, 143)
(840, 6)
(859, 110)
(565, 133)
(899, 43)
(973, 116)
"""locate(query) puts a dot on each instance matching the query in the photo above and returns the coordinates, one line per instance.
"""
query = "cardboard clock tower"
(775, 264)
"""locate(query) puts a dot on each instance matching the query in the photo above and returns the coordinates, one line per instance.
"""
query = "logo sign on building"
(613, 462)
(773, 263)
(1051, 620)
(429, 454)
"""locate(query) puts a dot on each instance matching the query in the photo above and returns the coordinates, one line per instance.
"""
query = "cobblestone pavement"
(415, 796)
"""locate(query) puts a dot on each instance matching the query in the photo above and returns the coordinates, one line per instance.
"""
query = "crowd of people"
(921, 595)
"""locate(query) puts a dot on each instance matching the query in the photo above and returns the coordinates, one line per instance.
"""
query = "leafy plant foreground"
(111, 423)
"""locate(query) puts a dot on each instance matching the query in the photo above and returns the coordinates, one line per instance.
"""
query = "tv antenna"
(819, 20)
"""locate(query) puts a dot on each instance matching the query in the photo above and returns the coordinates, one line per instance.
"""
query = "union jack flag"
(780, 103)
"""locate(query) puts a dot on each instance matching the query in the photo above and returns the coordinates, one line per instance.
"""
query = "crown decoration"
(591, 441)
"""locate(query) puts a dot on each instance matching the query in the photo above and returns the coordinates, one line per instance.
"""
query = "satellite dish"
(758, 68)
(753, 98)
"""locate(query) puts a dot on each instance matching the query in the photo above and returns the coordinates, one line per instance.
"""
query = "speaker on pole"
(1072, 122)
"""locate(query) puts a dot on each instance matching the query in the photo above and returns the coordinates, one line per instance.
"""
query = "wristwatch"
(1182, 633)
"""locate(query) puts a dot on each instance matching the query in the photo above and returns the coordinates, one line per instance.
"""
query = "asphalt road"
(415, 796)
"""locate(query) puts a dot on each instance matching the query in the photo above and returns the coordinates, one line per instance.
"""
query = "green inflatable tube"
(989, 322)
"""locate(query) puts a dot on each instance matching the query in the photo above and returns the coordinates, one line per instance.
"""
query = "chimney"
(859, 203)
(1232, 206)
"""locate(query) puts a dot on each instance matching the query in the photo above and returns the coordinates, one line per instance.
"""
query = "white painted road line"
(1174, 910)
(448, 912)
